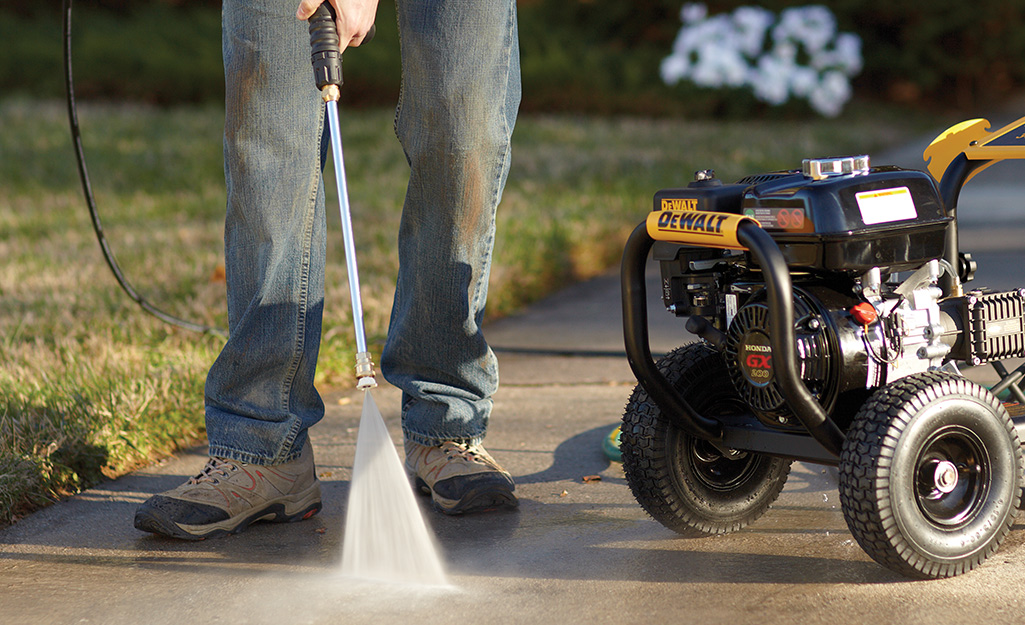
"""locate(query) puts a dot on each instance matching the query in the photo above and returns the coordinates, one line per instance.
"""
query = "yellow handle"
(701, 228)
(977, 143)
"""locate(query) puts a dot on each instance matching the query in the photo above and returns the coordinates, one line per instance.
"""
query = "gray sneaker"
(460, 478)
(227, 497)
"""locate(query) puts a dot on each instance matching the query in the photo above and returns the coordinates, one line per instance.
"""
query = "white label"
(731, 308)
(886, 205)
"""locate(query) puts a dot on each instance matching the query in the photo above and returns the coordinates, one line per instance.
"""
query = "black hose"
(83, 173)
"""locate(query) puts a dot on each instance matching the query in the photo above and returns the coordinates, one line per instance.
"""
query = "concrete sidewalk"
(574, 552)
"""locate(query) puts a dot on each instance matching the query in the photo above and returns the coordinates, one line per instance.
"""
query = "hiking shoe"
(227, 497)
(460, 478)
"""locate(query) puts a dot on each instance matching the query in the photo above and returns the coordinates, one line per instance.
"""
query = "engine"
(865, 248)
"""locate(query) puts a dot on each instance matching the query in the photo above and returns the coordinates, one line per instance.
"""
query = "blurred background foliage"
(581, 56)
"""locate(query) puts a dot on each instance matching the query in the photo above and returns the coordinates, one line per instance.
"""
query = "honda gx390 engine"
(833, 317)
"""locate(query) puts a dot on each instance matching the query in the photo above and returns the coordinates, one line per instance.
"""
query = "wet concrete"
(576, 550)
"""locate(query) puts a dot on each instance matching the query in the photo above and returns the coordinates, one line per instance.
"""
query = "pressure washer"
(834, 313)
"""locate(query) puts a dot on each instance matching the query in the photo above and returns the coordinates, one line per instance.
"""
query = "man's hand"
(353, 21)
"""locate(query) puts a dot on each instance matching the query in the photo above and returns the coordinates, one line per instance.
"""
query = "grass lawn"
(91, 386)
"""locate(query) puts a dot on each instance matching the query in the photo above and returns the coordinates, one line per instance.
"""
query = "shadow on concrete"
(574, 458)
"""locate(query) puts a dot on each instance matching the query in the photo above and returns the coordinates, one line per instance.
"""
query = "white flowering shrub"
(798, 53)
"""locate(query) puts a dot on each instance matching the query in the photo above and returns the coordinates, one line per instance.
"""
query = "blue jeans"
(460, 94)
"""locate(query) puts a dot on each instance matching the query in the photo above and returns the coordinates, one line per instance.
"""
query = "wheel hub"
(719, 469)
(952, 480)
(945, 477)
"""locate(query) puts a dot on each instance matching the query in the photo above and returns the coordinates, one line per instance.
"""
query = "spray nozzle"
(365, 371)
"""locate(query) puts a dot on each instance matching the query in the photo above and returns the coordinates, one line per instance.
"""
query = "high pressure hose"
(83, 173)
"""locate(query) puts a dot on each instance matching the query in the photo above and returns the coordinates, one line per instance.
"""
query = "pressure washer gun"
(326, 57)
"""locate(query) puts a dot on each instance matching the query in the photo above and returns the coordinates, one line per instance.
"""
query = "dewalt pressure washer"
(832, 308)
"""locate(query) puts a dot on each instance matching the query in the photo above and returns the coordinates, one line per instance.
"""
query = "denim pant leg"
(260, 397)
(460, 95)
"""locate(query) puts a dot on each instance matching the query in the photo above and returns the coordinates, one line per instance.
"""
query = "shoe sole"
(485, 499)
(284, 510)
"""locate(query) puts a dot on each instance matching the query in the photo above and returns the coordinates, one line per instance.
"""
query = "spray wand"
(327, 72)
(386, 537)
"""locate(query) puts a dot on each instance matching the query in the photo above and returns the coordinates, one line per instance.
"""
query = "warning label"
(886, 205)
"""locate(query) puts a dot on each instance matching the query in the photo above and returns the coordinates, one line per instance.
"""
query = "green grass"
(91, 386)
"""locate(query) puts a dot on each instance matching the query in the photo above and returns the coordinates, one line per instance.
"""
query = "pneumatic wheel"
(687, 484)
(930, 475)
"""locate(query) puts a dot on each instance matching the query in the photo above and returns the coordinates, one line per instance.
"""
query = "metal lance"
(327, 70)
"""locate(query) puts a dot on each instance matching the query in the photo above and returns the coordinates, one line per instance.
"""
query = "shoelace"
(214, 467)
(469, 454)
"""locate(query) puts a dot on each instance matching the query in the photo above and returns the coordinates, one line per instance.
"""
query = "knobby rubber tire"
(894, 503)
(686, 484)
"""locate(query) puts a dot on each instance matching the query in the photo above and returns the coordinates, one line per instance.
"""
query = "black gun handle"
(326, 58)
(325, 54)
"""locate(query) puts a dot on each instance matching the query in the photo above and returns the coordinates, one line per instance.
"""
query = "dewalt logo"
(679, 204)
(692, 227)
(706, 223)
